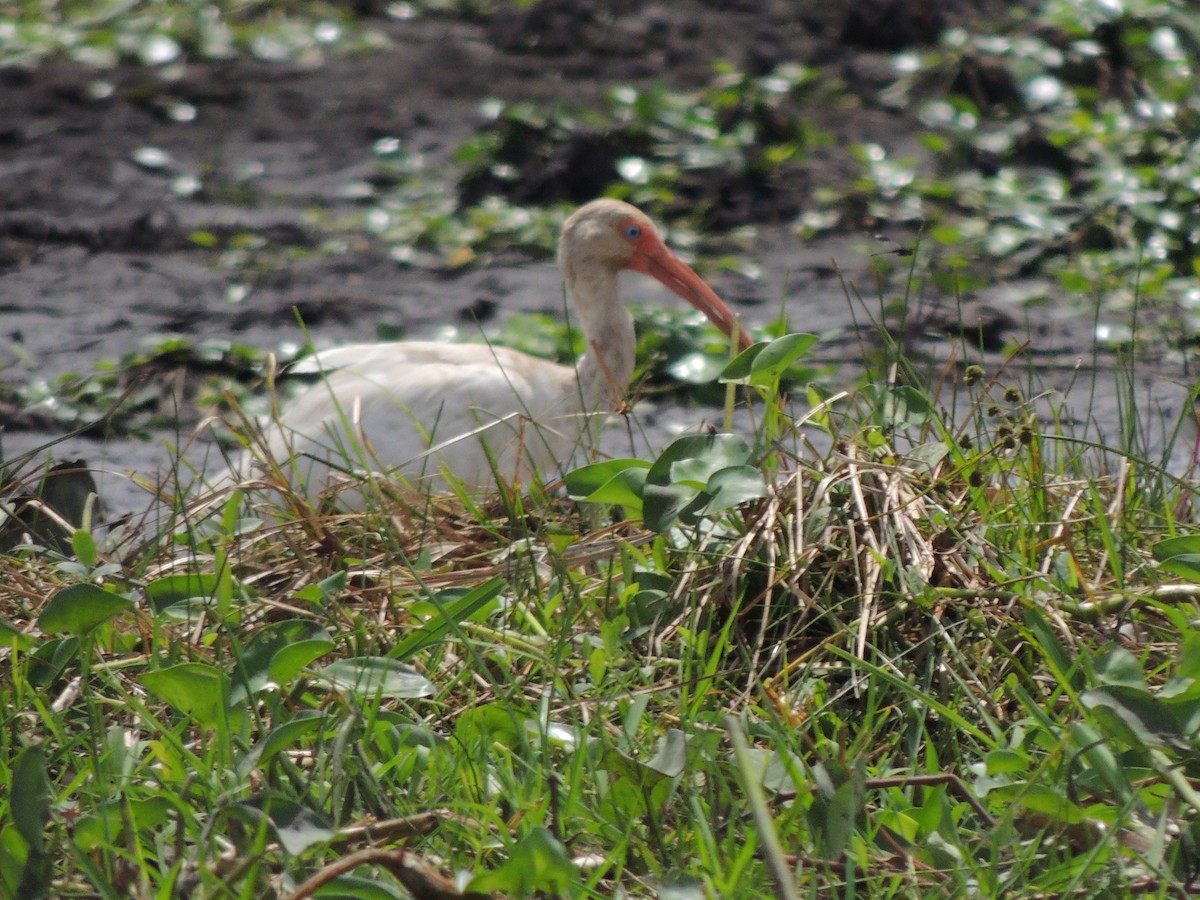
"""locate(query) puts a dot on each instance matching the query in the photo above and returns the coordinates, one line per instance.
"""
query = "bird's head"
(612, 235)
(606, 233)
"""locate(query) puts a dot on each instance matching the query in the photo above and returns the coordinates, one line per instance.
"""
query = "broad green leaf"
(290, 660)
(618, 765)
(278, 652)
(371, 677)
(901, 823)
(1187, 658)
(623, 489)
(78, 608)
(295, 826)
(842, 816)
(765, 364)
(539, 863)
(197, 690)
(676, 482)
(280, 738)
(106, 821)
(333, 585)
(1139, 717)
(12, 637)
(930, 454)
(1007, 762)
(1180, 555)
(555, 734)
(739, 368)
(671, 758)
(931, 811)
(779, 355)
(1186, 711)
(729, 487)
(697, 367)
(31, 796)
(663, 504)
(353, 887)
(49, 659)
(1104, 762)
(1043, 799)
(772, 770)
(1116, 665)
(905, 407)
(694, 458)
(491, 722)
(835, 811)
(172, 589)
(84, 546)
(586, 480)
(668, 762)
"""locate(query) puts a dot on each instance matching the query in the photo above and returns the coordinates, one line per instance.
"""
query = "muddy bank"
(103, 192)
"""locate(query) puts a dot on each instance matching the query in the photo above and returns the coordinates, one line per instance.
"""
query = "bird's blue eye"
(633, 232)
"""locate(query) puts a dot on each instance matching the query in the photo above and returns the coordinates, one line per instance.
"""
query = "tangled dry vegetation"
(939, 624)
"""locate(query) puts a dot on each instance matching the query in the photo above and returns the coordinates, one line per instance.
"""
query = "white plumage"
(423, 411)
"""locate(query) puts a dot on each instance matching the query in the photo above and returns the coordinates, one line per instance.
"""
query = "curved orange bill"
(655, 260)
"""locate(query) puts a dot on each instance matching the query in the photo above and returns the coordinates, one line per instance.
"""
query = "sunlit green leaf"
(278, 653)
(1179, 555)
(290, 660)
(197, 690)
(490, 722)
(373, 677)
(694, 458)
(78, 608)
(1046, 800)
(613, 481)
(171, 589)
(107, 820)
(769, 364)
(538, 863)
(903, 824)
(84, 546)
(1006, 762)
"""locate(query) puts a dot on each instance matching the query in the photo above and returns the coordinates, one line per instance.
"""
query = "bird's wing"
(405, 398)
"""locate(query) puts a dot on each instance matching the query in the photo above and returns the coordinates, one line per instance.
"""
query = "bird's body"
(430, 413)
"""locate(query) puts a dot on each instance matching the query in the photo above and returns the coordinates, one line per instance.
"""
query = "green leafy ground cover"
(106, 32)
(955, 653)
(939, 657)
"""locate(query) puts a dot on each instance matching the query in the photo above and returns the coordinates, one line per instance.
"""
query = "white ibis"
(431, 412)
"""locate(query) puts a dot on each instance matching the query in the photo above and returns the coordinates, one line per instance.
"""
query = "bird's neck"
(607, 365)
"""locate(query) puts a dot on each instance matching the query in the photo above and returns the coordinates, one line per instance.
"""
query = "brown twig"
(419, 878)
